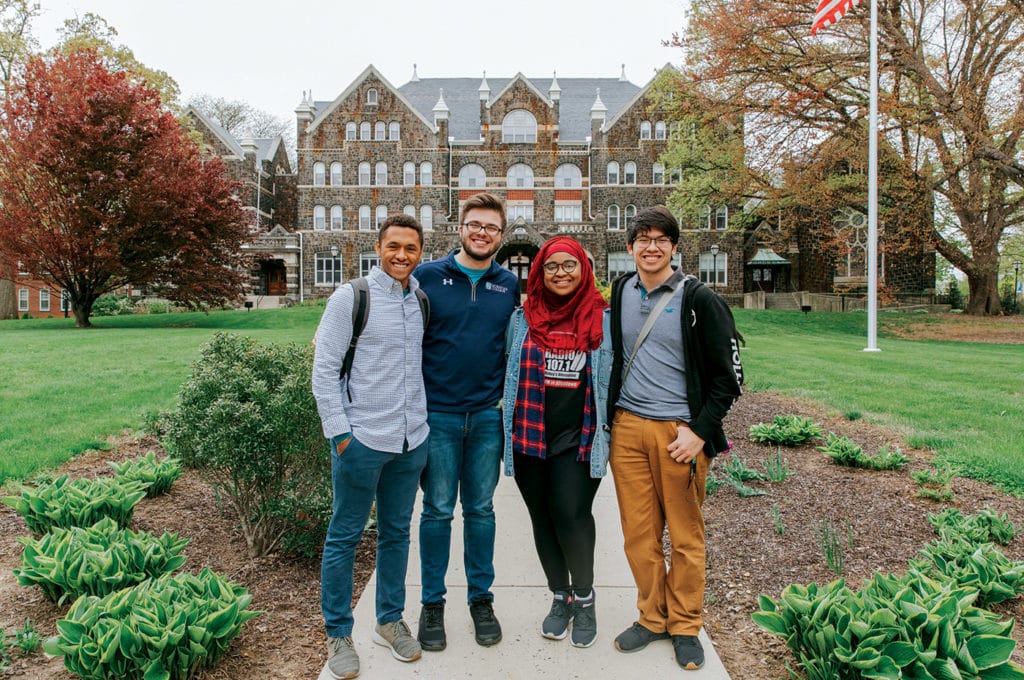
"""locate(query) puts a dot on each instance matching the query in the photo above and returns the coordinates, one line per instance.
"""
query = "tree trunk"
(8, 302)
(984, 295)
(82, 311)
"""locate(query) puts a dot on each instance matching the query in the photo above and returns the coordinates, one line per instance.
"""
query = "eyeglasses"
(569, 266)
(662, 242)
(477, 227)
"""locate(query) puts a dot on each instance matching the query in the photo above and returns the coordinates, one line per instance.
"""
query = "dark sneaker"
(689, 653)
(557, 621)
(431, 633)
(584, 621)
(342, 660)
(636, 637)
(397, 637)
(488, 630)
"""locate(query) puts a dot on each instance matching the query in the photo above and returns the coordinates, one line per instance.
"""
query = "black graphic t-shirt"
(565, 388)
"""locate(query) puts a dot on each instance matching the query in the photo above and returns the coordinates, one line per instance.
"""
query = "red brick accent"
(465, 194)
(568, 194)
(519, 195)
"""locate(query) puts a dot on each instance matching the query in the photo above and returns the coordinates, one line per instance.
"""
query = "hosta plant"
(983, 526)
(77, 503)
(66, 563)
(982, 567)
(160, 474)
(845, 451)
(167, 628)
(785, 430)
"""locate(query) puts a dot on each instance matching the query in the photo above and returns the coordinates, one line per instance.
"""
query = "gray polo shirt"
(655, 387)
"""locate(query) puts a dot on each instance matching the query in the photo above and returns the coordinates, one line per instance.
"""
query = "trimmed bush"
(98, 560)
(77, 503)
(166, 628)
(159, 474)
(247, 420)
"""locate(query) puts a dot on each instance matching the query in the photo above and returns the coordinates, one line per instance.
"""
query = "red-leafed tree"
(101, 187)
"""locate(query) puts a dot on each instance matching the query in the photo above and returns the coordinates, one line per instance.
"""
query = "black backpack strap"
(424, 306)
(360, 313)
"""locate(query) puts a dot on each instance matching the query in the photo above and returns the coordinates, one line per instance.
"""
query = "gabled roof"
(322, 112)
(218, 132)
(614, 118)
(766, 256)
(529, 85)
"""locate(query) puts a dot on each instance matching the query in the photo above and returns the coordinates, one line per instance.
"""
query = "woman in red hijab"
(555, 441)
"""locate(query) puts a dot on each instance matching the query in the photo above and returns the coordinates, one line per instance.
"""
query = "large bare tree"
(951, 104)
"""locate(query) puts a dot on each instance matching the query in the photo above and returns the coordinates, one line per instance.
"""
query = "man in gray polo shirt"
(675, 374)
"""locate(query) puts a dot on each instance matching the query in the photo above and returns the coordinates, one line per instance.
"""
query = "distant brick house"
(38, 299)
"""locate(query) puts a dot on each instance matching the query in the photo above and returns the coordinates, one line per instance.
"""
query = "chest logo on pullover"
(495, 287)
(447, 282)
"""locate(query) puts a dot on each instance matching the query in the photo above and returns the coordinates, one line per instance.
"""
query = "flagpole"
(873, 187)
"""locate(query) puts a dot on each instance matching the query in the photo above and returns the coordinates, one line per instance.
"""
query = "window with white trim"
(620, 262)
(408, 174)
(44, 299)
(613, 172)
(705, 217)
(328, 269)
(426, 173)
(380, 131)
(472, 176)
(568, 213)
(364, 218)
(519, 126)
(520, 176)
(568, 176)
(337, 218)
(364, 131)
(368, 261)
(410, 210)
(319, 217)
(658, 173)
(336, 176)
(394, 131)
(23, 299)
(382, 214)
(350, 132)
(645, 129)
(517, 210)
(628, 215)
(659, 130)
(613, 217)
(722, 218)
(371, 97)
(427, 217)
(319, 174)
(364, 174)
(65, 301)
(712, 266)
(381, 174)
(629, 173)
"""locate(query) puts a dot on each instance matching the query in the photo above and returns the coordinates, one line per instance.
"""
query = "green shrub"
(247, 420)
(112, 305)
(845, 451)
(983, 527)
(76, 503)
(66, 563)
(785, 430)
(980, 567)
(158, 474)
(166, 628)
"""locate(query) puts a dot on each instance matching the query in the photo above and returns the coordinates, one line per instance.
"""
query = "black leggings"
(559, 493)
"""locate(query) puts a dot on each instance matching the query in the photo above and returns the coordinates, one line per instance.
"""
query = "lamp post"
(714, 264)
(1016, 274)
(334, 266)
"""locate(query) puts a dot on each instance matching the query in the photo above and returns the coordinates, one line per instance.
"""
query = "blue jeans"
(359, 475)
(464, 460)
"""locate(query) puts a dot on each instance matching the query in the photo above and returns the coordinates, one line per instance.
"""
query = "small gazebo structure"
(766, 271)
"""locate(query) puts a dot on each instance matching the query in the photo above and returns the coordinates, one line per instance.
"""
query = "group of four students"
(438, 395)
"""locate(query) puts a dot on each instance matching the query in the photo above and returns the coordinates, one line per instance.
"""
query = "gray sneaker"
(342, 660)
(398, 638)
(584, 621)
(557, 620)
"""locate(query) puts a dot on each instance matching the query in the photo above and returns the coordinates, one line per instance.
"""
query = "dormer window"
(519, 127)
(371, 97)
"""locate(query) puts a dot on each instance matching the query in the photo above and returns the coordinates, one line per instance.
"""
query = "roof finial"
(554, 91)
(485, 89)
(415, 77)
(598, 110)
(622, 76)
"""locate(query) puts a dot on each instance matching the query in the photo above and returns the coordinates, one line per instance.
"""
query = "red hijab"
(564, 322)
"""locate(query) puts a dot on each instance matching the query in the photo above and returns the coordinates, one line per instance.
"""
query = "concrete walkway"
(521, 600)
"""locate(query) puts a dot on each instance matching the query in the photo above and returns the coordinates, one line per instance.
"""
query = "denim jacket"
(601, 371)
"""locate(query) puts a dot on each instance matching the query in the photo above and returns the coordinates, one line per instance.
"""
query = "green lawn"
(65, 390)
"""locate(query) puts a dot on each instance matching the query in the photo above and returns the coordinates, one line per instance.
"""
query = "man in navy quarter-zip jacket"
(471, 301)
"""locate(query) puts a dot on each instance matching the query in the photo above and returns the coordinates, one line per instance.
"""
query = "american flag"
(831, 11)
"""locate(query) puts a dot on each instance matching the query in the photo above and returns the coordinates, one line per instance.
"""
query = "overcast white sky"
(266, 53)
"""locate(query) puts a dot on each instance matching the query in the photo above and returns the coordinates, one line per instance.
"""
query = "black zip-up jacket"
(711, 353)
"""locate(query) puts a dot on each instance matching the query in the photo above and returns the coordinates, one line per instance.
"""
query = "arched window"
(658, 173)
(364, 131)
(394, 131)
(427, 217)
(613, 217)
(408, 173)
(336, 174)
(410, 210)
(380, 130)
(364, 174)
(471, 176)
(371, 97)
(381, 174)
(659, 130)
(568, 176)
(520, 176)
(519, 126)
(645, 129)
(319, 172)
(722, 218)
(319, 217)
(629, 173)
(337, 218)
(628, 215)
(364, 218)
(613, 173)
(426, 173)
(382, 214)
(350, 132)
